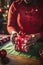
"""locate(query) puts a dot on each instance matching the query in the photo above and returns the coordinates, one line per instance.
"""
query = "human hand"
(16, 35)
(13, 35)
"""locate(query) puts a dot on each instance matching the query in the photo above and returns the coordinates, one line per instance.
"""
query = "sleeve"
(12, 17)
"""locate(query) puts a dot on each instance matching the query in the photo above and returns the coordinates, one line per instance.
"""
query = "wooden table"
(20, 60)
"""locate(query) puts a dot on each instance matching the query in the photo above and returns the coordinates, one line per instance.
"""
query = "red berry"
(40, 53)
(3, 53)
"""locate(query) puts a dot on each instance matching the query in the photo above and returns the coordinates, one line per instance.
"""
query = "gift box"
(22, 43)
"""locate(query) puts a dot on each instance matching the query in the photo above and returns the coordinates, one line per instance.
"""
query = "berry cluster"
(4, 39)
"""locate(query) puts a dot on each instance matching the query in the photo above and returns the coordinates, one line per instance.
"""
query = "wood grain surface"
(20, 60)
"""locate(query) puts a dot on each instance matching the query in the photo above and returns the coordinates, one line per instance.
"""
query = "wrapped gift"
(22, 43)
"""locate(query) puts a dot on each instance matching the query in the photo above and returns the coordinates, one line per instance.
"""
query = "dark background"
(4, 6)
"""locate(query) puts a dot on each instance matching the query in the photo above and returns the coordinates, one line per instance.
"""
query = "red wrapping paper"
(21, 43)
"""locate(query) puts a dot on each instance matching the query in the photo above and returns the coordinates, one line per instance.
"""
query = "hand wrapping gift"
(23, 41)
